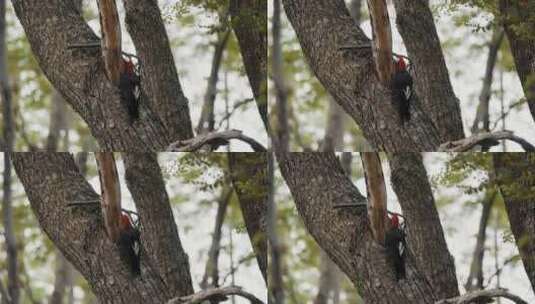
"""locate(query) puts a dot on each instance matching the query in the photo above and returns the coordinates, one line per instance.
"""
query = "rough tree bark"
(518, 20)
(52, 26)
(514, 174)
(249, 177)
(340, 55)
(330, 274)
(431, 78)
(52, 180)
(317, 182)
(145, 182)
(425, 235)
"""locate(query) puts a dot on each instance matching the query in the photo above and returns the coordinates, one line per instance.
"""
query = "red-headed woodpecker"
(129, 244)
(129, 87)
(402, 89)
(395, 247)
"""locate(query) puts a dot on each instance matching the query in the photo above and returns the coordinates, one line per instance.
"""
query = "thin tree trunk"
(207, 120)
(276, 285)
(211, 270)
(475, 278)
(57, 122)
(63, 279)
(282, 142)
(333, 140)
(13, 287)
(481, 121)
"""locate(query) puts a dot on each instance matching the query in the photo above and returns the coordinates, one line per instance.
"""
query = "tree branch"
(486, 138)
(376, 188)
(111, 39)
(382, 40)
(110, 193)
(159, 232)
(215, 139)
(483, 295)
(216, 293)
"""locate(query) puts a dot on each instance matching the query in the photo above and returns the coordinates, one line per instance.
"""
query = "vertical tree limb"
(481, 121)
(211, 270)
(282, 131)
(110, 27)
(159, 233)
(207, 121)
(276, 283)
(376, 188)
(475, 277)
(432, 83)
(425, 235)
(13, 288)
(382, 40)
(110, 190)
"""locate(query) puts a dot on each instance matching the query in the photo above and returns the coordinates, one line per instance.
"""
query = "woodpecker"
(129, 85)
(402, 89)
(395, 247)
(129, 244)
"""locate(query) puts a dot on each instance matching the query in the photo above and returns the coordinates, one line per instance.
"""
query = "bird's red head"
(124, 221)
(394, 221)
(401, 65)
(129, 66)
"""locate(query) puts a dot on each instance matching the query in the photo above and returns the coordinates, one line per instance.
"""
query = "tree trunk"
(159, 233)
(432, 81)
(317, 182)
(53, 180)
(516, 182)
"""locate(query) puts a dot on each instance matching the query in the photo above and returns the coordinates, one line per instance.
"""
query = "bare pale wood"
(382, 40)
(111, 39)
(376, 188)
(110, 193)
